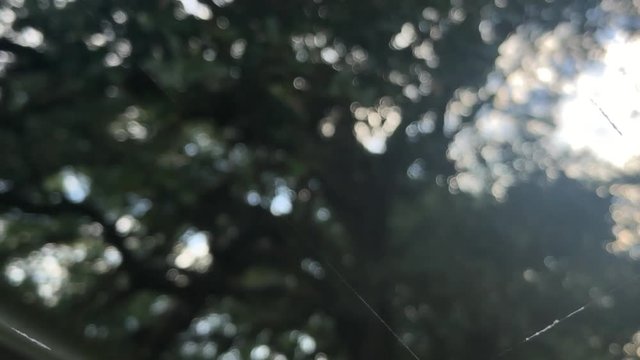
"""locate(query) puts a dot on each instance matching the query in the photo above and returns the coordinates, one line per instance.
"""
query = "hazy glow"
(198, 338)
(282, 202)
(616, 90)
(260, 352)
(632, 348)
(76, 186)
(519, 115)
(193, 252)
(306, 343)
(281, 205)
(625, 213)
(196, 9)
(405, 37)
(30, 37)
(125, 224)
(376, 124)
(48, 270)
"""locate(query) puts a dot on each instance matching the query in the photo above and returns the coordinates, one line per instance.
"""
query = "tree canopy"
(304, 180)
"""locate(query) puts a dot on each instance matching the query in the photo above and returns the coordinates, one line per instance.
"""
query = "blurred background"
(193, 179)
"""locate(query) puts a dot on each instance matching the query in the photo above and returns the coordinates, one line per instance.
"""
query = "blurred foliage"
(179, 180)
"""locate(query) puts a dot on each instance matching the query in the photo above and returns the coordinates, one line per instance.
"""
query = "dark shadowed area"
(319, 179)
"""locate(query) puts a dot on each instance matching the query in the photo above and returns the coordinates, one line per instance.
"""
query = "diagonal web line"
(606, 116)
(30, 338)
(549, 327)
(24, 335)
(555, 322)
(371, 309)
(326, 262)
(573, 313)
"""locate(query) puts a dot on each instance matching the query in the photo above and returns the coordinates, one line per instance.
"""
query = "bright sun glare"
(613, 89)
